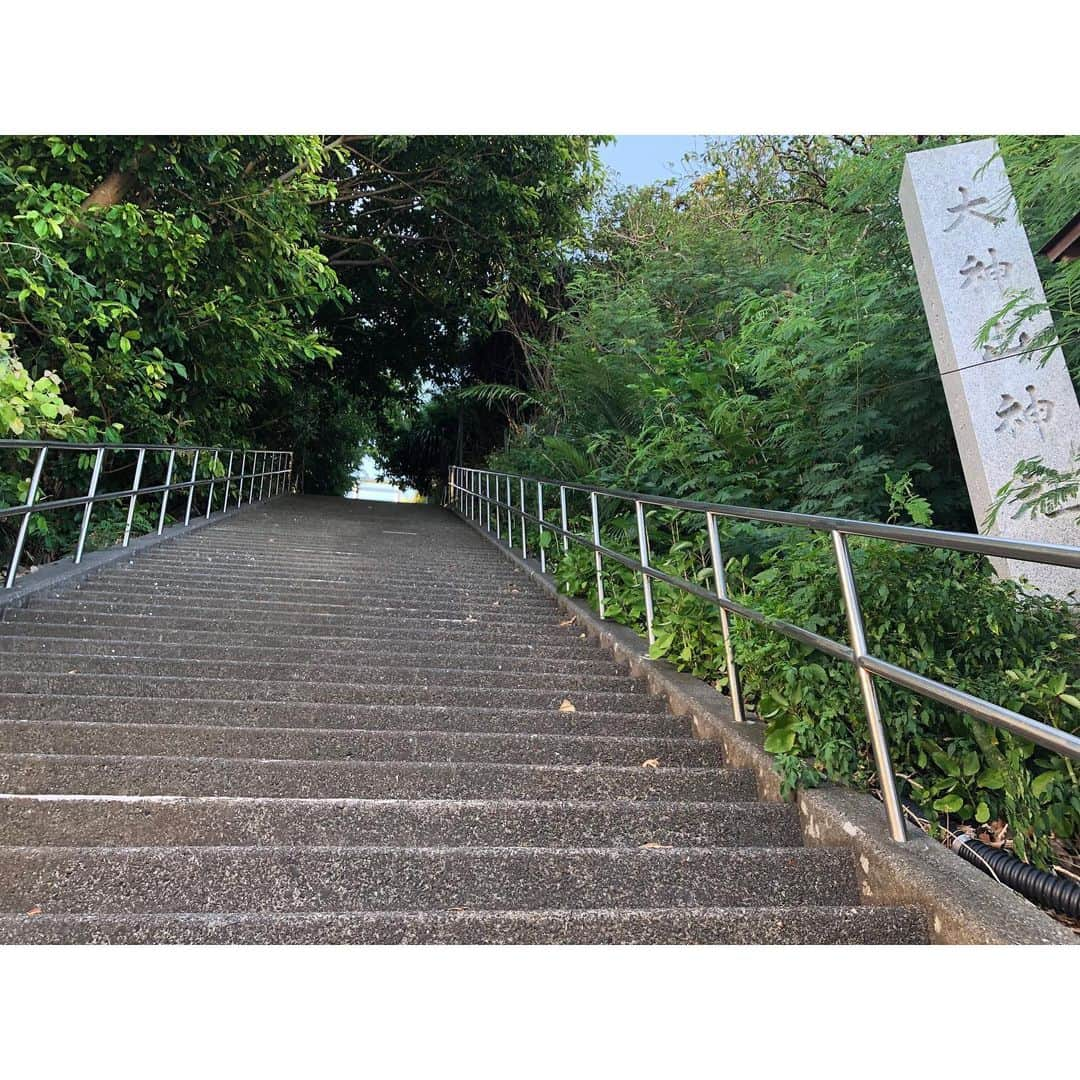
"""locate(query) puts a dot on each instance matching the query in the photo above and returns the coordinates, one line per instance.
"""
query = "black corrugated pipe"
(1050, 890)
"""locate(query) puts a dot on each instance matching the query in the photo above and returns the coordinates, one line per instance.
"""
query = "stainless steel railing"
(271, 468)
(470, 493)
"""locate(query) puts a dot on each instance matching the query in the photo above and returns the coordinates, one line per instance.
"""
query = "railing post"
(524, 530)
(262, 478)
(878, 738)
(540, 534)
(599, 562)
(191, 490)
(24, 524)
(646, 581)
(509, 516)
(94, 477)
(134, 496)
(498, 509)
(720, 583)
(256, 455)
(165, 493)
(563, 518)
(210, 496)
(228, 481)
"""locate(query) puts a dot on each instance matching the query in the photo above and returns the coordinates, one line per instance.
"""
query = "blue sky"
(644, 159)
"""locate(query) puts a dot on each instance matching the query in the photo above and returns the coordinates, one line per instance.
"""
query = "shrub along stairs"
(331, 721)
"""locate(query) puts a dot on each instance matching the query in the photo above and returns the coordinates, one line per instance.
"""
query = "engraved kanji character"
(977, 270)
(966, 207)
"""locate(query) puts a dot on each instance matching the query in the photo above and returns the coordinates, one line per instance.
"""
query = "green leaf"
(982, 813)
(991, 779)
(1042, 782)
(949, 805)
(945, 763)
(781, 741)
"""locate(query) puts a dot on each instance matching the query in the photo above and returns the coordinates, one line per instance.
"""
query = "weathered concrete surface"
(328, 721)
(962, 905)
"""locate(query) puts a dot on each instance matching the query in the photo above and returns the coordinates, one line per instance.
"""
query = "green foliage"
(30, 408)
(942, 614)
(287, 291)
(170, 282)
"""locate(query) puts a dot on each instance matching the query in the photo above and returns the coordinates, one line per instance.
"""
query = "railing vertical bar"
(165, 493)
(487, 502)
(498, 508)
(878, 738)
(95, 476)
(228, 481)
(191, 490)
(524, 532)
(509, 516)
(720, 583)
(599, 559)
(134, 495)
(646, 581)
(540, 534)
(213, 475)
(24, 523)
(563, 519)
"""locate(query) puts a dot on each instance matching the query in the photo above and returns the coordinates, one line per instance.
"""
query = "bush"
(942, 614)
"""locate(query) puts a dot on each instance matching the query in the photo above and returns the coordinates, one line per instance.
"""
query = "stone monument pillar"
(971, 257)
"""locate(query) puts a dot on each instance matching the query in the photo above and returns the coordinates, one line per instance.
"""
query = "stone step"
(347, 599)
(438, 717)
(134, 821)
(77, 648)
(351, 584)
(249, 612)
(403, 613)
(489, 573)
(433, 671)
(797, 925)
(173, 740)
(75, 774)
(220, 879)
(525, 633)
(390, 692)
(161, 633)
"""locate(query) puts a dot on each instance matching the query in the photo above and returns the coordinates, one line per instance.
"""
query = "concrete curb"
(962, 905)
(63, 572)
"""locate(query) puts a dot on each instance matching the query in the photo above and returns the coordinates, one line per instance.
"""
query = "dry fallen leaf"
(35, 910)
(567, 706)
(654, 844)
(651, 763)
(567, 622)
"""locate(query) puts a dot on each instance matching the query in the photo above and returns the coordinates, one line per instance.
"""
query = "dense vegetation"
(285, 291)
(758, 338)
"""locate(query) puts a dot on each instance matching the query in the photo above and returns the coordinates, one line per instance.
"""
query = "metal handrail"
(470, 494)
(269, 467)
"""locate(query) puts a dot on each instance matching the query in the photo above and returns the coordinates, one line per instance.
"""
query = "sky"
(644, 159)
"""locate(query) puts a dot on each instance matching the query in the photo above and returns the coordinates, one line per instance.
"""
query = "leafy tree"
(168, 281)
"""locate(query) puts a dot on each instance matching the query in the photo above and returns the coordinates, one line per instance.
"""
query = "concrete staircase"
(331, 721)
